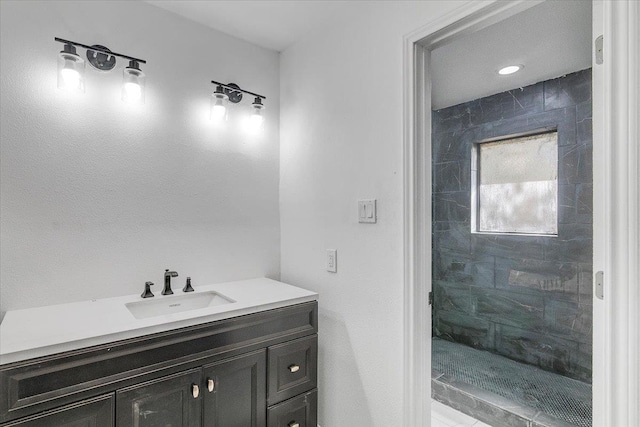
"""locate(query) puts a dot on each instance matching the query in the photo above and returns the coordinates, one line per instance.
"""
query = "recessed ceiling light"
(510, 69)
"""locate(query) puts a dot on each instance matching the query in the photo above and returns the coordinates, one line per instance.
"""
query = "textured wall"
(341, 140)
(98, 197)
(528, 298)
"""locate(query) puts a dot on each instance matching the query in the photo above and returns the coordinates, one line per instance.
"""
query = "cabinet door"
(235, 392)
(97, 412)
(172, 401)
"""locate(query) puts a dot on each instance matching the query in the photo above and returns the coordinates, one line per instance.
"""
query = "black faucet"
(167, 282)
(147, 290)
(188, 287)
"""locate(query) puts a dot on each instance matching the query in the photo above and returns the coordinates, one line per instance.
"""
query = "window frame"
(475, 182)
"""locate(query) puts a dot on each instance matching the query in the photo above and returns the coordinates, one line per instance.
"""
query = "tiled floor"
(502, 391)
(444, 416)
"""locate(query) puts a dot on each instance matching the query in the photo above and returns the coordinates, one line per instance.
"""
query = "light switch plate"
(367, 211)
(332, 260)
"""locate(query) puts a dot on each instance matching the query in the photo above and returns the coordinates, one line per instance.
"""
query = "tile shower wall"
(528, 298)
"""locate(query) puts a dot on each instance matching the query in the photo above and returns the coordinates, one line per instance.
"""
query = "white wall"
(98, 197)
(341, 140)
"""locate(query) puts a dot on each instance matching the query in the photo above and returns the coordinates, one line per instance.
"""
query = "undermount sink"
(171, 304)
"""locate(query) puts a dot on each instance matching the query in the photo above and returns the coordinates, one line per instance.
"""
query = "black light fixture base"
(235, 96)
(232, 88)
(101, 60)
(95, 49)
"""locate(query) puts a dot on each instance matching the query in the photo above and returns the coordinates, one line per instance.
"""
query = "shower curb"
(488, 407)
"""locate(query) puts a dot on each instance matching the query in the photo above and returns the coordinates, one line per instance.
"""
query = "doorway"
(418, 207)
(511, 148)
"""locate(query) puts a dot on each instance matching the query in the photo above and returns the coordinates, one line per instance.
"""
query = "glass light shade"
(218, 111)
(70, 70)
(256, 120)
(133, 81)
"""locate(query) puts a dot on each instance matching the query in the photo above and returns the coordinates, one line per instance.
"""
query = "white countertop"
(41, 331)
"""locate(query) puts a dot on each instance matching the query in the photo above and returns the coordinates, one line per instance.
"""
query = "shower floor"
(502, 392)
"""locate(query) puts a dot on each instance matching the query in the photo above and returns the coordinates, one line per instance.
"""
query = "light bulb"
(218, 112)
(255, 121)
(134, 91)
(505, 71)
(70, 78)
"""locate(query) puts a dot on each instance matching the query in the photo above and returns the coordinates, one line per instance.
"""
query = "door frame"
(616, 327)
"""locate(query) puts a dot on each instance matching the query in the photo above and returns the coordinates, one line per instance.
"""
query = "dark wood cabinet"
(167, 401)
(249, 371)
(97, 412)
(235, 392)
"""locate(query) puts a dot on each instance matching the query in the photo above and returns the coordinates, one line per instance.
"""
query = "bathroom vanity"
(249, 361)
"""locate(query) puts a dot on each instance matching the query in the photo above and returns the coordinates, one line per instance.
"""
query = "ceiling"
(274, 25)
(550, 40)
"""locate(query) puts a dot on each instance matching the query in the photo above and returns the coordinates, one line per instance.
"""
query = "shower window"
(515, 185)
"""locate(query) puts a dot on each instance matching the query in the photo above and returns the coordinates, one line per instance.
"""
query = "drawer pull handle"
(293, 368)
(210, 385)
(293, 424)
(195, 390)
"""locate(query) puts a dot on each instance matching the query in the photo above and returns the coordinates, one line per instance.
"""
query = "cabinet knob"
(294, 368)
(195, 390)
(210, 385)
(293, 424)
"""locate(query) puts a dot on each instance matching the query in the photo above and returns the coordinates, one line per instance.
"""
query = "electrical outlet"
(332, 261)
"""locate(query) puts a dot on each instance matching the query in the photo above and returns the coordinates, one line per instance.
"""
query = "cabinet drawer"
(301, 411)
(292, 368)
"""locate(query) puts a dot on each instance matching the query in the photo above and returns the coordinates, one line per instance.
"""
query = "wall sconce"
(71, 69)
(231, 92)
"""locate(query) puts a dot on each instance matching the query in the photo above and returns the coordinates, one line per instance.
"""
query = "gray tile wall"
(525, 297)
